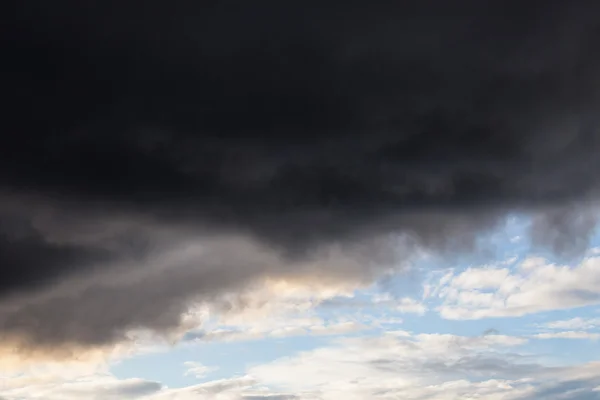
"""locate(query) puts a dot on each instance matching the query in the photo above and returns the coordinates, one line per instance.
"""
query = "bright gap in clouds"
(521, 327)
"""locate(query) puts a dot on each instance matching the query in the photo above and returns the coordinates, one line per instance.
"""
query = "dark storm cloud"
(295, 125)
(23, 250)
(565, 229)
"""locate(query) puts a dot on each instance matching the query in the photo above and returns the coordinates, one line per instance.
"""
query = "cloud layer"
(161, 155)
(395, 364)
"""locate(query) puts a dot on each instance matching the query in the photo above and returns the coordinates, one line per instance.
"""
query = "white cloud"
(515, 239)
(275, 309)
(407, 305)
(198, 370)
(536, 285)
(575, 323)
(301, 327)
(394, 365)
(337, 328)
(426, 366)
(391, 365)
(222, 389)
(481, 278)
(389, 321)
(568, 335)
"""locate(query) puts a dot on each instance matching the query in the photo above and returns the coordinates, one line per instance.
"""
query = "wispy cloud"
(567, 335)
(197, 369)
(574, 323)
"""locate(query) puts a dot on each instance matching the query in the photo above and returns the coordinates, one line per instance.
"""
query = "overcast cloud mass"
(158, 153)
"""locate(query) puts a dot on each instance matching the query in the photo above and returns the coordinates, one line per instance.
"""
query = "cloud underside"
(147, 170)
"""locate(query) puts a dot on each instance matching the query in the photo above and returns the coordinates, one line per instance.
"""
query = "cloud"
(222, 389)
(537, 285)
(571, 390)
(568, 335)
(405, 305)
(276, 311)
(103, 308)
(383, 301)
(574, 323)
(363, 367)
(198, 370)
(144, 173)
(272, 397)
(95, 387)
(432, 366)
(391, 365)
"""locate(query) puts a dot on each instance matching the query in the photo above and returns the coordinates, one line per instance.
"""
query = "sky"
(298, 200)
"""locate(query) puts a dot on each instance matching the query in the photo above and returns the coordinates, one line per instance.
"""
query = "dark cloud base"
(297, 125)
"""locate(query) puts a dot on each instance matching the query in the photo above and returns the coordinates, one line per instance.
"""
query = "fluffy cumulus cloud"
(535, 285)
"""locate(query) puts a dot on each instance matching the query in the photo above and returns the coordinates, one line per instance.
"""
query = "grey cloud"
(129, 389)
(580, 389)
(491, 331)
(488, 366)
(566, 230)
